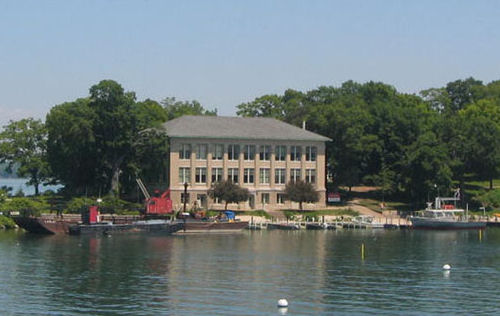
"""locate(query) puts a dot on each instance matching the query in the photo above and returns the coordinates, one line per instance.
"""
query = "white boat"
(444, 216)
(367, 221)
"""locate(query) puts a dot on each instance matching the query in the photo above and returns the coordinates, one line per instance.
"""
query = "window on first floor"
(185, 197)
(265, 198)
(280, 198)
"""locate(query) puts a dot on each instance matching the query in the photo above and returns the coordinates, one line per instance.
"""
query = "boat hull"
(211, 227)
(418, 223)
(44, 226)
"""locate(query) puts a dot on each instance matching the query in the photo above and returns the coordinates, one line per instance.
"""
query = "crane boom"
(143, 188)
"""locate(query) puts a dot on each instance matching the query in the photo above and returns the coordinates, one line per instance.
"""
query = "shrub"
(25, 206)
(6, 222)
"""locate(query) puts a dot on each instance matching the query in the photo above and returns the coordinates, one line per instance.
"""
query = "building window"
(201, 151)
(218, 152)
(184, 175)
(233, 152)
(295, 153)
(265, 198)
(249, 152)
(264, 175)
(311, 153)
(280, 154)
(232, 174)
(279, 176)
(265, 152)
(280, 198)
(185, 198)
(248, 175)
(201, 175)
(311, 176)
(294, 175)
(185, 152)
(216, 175)
(217, 200)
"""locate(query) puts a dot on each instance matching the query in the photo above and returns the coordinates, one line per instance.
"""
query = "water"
(20, 183)
(319, 272)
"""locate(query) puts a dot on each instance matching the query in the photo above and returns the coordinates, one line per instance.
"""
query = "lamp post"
(185, 196)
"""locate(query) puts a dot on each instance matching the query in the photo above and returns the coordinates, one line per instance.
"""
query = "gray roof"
(190, 126)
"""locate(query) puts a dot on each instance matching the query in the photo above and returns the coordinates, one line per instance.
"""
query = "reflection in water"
(319, 272)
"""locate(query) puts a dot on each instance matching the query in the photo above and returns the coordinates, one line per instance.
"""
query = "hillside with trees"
(410, 146)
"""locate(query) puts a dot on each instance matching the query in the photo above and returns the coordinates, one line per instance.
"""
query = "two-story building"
(261, 154)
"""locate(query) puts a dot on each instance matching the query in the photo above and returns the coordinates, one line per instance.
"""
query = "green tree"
(229, 192)
(24, 143)
(301, 191)
(175, 109)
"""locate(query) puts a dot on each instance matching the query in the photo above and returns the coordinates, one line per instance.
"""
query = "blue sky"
(223, 53)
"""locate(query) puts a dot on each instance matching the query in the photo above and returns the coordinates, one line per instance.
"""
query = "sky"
(224, 53)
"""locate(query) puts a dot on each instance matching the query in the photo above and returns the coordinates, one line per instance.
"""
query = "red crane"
(156, 205)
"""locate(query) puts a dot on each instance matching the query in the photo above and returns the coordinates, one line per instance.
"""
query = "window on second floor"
(232, 174)
(216, 175)
(264, 175)
(311, 176)
(294, 175)
(184, 175)
(201, 175)
(280, 176)
(248, 175)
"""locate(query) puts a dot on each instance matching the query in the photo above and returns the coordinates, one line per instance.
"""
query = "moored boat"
(444, 216)
(48, 225)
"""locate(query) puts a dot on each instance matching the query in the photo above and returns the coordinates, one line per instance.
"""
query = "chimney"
(304, 125)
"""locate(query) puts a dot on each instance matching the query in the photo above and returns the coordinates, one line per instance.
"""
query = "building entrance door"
(251, 201)
(201, 200)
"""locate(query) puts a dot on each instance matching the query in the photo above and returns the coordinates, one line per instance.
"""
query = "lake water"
(319, 272)
(20, 183)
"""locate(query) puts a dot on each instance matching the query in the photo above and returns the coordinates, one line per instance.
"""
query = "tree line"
(409, 145)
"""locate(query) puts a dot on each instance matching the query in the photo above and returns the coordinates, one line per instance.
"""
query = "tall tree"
(24, 143)
(175, 108)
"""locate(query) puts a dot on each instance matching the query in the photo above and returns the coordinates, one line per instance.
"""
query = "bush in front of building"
(301, 191)
(229, 192)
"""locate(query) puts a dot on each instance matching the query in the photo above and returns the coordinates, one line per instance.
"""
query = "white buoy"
(282, 303)
(446, 267)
